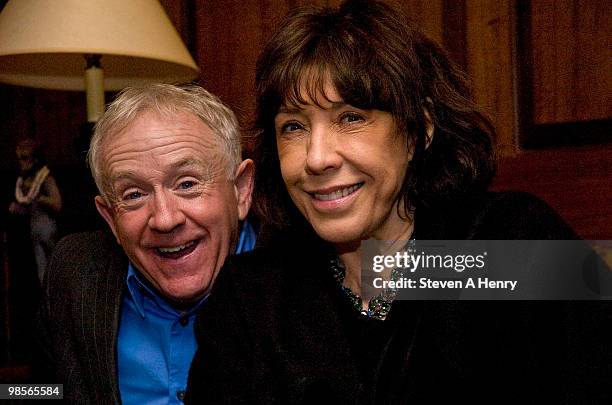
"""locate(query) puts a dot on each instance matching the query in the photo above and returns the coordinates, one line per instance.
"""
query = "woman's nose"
(322, 151)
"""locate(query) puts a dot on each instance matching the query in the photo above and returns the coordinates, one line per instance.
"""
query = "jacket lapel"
(100, 311)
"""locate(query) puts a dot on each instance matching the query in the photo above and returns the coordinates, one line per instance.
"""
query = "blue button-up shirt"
(156, 342)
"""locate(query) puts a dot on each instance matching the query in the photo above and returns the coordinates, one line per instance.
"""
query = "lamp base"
(94, 87)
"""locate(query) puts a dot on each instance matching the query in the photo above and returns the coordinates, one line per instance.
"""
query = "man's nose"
(166, 214)
(322, 153)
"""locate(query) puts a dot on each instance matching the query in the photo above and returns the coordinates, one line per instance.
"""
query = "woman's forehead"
(312, 87)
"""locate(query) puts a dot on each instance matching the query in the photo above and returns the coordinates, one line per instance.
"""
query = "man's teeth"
(175, 248)
(338, 193)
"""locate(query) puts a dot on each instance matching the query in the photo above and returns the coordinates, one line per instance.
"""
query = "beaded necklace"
(378, 306)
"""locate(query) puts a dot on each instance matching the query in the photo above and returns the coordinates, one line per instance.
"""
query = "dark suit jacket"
(79, 317)
(278, 330)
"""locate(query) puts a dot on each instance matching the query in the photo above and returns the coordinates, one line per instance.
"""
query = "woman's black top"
(277, 329)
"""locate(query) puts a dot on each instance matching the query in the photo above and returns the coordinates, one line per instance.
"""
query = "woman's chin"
(337, 235)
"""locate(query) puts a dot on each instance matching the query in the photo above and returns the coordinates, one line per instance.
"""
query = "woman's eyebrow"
(335, 105)
(290, 110)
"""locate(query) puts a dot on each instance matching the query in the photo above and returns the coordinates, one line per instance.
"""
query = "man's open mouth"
(175, 252)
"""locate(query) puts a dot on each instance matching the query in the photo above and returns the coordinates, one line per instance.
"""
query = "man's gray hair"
(166, 100)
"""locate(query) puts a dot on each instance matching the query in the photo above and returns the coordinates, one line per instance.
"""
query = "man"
(116, 321)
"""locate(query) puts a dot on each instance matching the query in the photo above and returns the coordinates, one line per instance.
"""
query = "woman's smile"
(343, 167)
(335, 198)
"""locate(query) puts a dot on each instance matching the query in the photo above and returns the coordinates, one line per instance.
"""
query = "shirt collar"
(138, 290)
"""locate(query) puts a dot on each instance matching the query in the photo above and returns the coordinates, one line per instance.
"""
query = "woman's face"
(343, 167)
(25, 157)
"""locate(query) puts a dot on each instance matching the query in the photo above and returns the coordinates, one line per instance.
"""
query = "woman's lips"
(334, 198)
(336, 194)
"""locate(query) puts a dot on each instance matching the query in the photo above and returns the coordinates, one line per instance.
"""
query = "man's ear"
(243, 187)
(106, 211)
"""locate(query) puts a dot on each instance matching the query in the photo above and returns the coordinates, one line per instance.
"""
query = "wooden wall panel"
(571, 60)
(52, 117)
(231, 35)
(574, 181)
(229, 39)
(490, 60)
(427, 15)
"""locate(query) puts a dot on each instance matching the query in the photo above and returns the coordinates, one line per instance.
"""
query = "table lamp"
(91, 45)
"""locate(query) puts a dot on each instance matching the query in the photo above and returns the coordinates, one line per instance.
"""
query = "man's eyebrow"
(123, 175)
(179, 164)
(203, 168)
(187, 162)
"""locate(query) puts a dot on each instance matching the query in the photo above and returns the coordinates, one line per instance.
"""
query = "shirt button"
(184, 320)
(180, 395)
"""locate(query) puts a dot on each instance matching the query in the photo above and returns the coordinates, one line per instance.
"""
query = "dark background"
(540, 69)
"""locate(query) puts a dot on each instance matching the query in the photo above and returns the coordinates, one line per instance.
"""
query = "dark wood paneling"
(571, 60)
(53, 117)
(428, 15)
(455, 30)
(230, 36)
(574, 181)
(490, 61)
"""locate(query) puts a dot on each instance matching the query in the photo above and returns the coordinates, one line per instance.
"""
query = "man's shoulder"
(91, 244)
(83, 252)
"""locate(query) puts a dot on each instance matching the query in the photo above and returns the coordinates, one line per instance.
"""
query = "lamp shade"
(42, 43)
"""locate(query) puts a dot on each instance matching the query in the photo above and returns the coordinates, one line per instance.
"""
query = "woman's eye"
(291, 127)
(351, 117)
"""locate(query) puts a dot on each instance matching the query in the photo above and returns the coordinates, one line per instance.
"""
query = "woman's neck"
(351, 256)
(351, 259)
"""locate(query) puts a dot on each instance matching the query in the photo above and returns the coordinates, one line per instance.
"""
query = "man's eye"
(186, 185)
(351, 117)
(134, 195)
(291, 127)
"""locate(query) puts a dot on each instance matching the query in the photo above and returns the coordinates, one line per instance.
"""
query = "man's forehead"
(150, 130)
(150, 121)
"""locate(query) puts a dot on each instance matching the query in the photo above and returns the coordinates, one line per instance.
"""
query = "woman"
(38, 197)
(365, 130)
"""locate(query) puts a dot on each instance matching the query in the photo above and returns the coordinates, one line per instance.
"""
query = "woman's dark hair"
(376, 59)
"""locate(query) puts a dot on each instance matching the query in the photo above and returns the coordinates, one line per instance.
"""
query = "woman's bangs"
(305, 85)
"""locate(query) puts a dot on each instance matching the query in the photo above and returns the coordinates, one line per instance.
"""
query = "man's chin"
(184, 300)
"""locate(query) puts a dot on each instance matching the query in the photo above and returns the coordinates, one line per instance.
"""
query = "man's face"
(172, 206)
